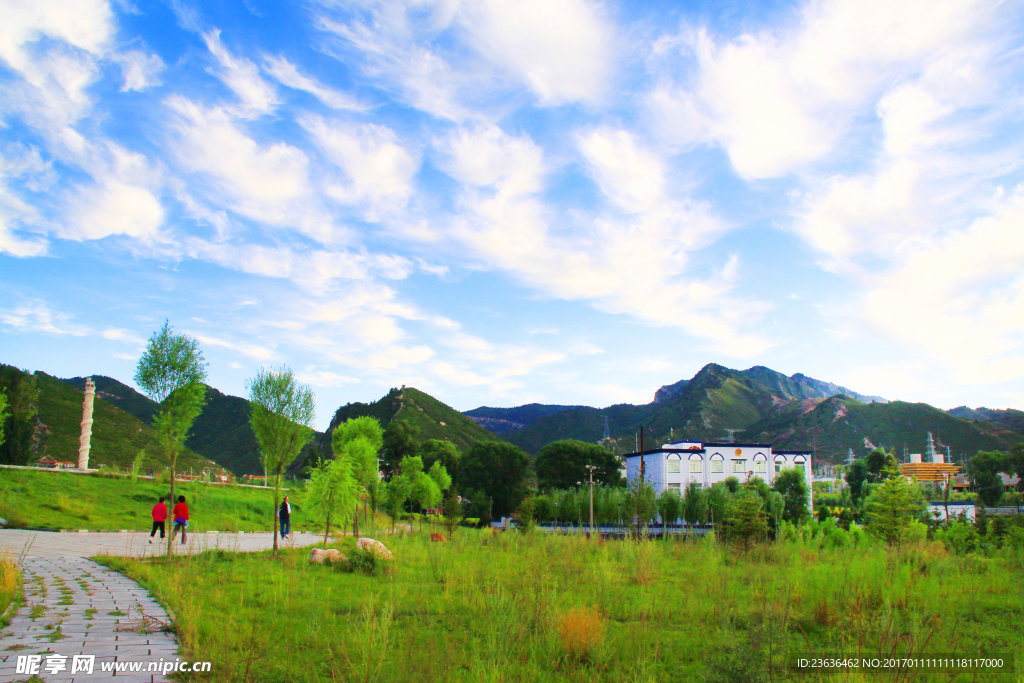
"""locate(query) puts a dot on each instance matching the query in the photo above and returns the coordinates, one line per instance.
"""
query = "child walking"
(180, 518)
(159, 518)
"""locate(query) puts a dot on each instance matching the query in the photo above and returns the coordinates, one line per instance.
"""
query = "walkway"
(75, 606)
(132, 543)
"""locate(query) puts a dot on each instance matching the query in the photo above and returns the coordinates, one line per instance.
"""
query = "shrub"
(367, 562)
(580, 632)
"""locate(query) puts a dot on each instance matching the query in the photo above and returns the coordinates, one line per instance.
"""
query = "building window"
(695, 465)
(739, 465)
(673, 466)
(676, 486)
(716, 466)
(778, 467)
(760, 466)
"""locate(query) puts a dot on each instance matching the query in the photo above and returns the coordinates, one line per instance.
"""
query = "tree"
(171, 370)
(718, 503)
(791, 484)
(479, 505)
(669, 507)
(444, 452)
(856, 477)
(19, 446)
(331, 491)
(984, 469)
(641, 505)
(396, 493)
(1016, 462)
(452, 512)
(282, 417)
(3, 415)
(360, 439)
(881, 465)
(171, 361)
(695, 505)
(892, 507)
(747, 521)
(498, 469)
(399, 443)
(563, 463)
(732, 483)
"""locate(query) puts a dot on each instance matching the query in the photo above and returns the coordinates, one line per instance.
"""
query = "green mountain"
(433, 419)
(766, 406)
(1007, 419)
(504, 421)
(835, 425)
(221, 433)
(117, 436)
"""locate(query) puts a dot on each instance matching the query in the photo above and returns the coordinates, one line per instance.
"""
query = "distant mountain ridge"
(432, 418)
(766, 406)
(798, 385)
(1007, 418)
(503, 421)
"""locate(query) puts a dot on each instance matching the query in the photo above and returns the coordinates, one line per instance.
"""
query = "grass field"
(514, 607)
(61, 500)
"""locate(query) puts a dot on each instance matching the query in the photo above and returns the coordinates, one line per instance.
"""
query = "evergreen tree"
(892, 506)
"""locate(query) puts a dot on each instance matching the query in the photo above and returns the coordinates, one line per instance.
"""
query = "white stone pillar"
(83, 440)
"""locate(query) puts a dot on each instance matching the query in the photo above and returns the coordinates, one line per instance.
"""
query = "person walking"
(285, 516)
(159, 518)
(180, 518)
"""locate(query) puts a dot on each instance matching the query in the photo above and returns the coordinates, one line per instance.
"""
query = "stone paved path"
(76, 606)
(18, 542)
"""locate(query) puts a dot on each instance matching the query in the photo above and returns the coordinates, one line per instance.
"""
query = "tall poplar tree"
(171, 371)
(282, 420)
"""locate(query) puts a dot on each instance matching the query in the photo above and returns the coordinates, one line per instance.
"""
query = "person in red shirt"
(159, 517)
(180, 518)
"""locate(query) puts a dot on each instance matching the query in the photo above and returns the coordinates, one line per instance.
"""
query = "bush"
(580, 632)
(367, 562)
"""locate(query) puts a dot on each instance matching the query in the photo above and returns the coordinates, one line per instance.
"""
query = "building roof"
(719, 444)
(929, 471)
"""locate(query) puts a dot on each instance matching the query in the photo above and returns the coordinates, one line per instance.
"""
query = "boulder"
(375, 547)
(438, 538)
(330, 556)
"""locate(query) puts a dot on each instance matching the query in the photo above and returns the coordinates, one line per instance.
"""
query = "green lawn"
(512, 607)
(61, 500)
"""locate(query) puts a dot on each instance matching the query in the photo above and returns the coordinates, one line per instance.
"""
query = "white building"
(675, 465)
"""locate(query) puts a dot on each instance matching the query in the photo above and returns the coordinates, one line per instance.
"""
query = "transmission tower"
(607, 432)
(732, 435)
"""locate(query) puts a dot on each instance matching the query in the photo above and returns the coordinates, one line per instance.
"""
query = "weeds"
(580, 632)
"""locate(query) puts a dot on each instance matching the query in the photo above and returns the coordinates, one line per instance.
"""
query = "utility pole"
(590, 470)
(643, 464)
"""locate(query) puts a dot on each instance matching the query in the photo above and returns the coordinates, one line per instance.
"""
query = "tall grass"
(534, 607)
(10, 584)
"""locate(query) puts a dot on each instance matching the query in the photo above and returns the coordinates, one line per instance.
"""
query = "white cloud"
(378, 168)
(268, 183)
(631, 177)
(118, 334)
(488, 156)
(36, 316)
(561, 49)
(242, 76)
(113, 208)
(325, 378)
(85, 24)
(141, 70)
(262, 353)
(778, 101)
(287, 74)
(962, 299)
(504, 224)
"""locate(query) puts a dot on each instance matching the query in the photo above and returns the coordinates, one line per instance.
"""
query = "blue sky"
(507, 201)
